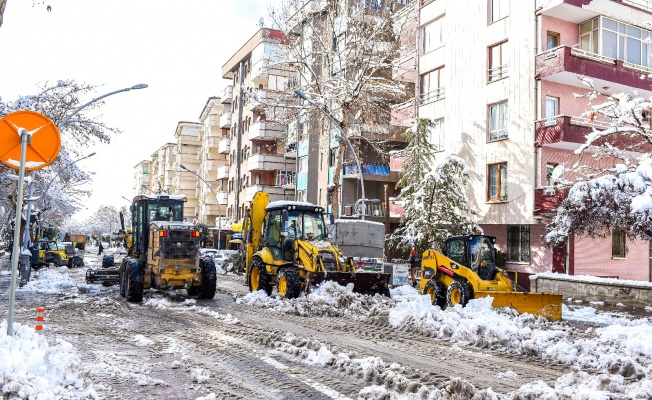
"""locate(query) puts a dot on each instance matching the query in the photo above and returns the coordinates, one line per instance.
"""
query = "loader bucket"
(547, 305)
(363, 282)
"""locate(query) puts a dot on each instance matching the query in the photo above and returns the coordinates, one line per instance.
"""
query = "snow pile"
(50, 280)
(33, 368)
(328, 299)
(190, 305)
(200, 375)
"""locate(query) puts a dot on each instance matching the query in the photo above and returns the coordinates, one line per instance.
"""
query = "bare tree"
(340, 54)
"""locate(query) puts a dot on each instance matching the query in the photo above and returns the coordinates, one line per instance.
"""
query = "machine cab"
(287, 221)
(146, 209)
(476, 252)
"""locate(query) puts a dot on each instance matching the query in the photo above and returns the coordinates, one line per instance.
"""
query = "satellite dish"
(261, 22)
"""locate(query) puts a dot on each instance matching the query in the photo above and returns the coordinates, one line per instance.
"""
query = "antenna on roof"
(261, 22)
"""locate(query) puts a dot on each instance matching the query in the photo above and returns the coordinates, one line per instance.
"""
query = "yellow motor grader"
(466, 269)
(286, 245)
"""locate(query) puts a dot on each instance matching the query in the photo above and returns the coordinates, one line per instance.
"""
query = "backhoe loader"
(466, 269)
(162, 252)
(286, 246)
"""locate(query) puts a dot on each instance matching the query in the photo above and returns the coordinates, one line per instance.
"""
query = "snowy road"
(178, 348)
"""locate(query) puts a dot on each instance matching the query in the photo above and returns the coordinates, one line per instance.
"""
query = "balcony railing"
(223, 172)
(265, 130)
(433, 95)
(367, 169)
(371, 210)
(562, 128)
(497, 73)
(225, 120)
(286, 180)
(227, 95)
(547, 199)
(644, 4)
(224, 146)
(404, 114)
(405, 68)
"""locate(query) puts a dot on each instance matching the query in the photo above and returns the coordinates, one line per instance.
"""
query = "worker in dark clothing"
(415, 266)
(101, 249)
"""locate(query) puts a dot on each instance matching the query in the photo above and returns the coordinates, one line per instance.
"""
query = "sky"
(176, 47)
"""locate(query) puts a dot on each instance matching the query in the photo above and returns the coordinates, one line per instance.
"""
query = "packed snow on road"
(606, 354)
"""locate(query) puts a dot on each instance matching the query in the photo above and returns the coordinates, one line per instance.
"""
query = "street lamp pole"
(337, 125)
(219, 209)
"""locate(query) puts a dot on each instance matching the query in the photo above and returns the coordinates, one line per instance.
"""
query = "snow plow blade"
(105, 276)
(546, 305)
(363, 282)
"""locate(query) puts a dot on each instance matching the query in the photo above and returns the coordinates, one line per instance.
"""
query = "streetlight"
(219, 209)
(337, 125)
(78, 109)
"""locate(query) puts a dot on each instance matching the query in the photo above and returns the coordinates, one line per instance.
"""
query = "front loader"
(286, 246)
(466, 269)
(162, 252)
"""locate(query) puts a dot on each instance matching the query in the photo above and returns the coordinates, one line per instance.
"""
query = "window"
(432, 85)
(616, 40)
(552, 40)
(432, 35)
(497, 185)
(498, 118)
(332, 156)
(549, 168)
(552, 110)
(498, 68)
(618, 246)
(498, 9)
(518, 243)
(436, 134)
(302, 164)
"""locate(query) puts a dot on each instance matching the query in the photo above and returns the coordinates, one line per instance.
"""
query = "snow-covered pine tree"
(432, 194)
(603, 198)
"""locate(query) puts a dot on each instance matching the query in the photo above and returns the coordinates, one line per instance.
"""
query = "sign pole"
(15, 254)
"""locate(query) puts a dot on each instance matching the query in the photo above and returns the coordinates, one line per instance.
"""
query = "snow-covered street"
(330, 344)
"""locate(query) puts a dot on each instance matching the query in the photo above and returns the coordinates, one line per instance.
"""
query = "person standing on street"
(101, 249)
(415, 266)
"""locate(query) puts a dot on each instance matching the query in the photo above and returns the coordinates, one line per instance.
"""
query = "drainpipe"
(238, 155)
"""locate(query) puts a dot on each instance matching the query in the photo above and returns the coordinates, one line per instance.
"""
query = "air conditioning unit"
(549, 191)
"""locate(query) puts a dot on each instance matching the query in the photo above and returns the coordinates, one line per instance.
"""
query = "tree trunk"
(3, 4)
(335, 201)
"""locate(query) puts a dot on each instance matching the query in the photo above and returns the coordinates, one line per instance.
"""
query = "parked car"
(223, 257)
(203, 253)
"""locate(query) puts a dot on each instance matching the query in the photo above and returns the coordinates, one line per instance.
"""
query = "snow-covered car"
(203, 253)
(223, 257)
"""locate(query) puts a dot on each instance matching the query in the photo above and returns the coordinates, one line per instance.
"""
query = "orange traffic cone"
(39, 318)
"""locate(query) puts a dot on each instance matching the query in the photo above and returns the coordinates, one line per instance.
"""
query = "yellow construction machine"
(466, 269)
(286, 245)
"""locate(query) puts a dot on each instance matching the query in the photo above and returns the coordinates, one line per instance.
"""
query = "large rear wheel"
(289, 283)
(437, 292)
(208, 279)
(258, 277)
(134, 292)
(458, 293)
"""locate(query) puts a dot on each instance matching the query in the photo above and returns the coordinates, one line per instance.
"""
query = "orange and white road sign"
(45, 142)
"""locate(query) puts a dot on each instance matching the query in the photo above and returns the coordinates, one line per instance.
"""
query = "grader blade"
(547, 305)
(363, 282)
(105, 276)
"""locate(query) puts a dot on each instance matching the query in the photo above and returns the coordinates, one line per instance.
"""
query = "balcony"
(225, 120)
(223, 172)
(547, 199)
(213, 119)
(275, 192)
(562, 128)
(405, 69)
(214, 164)
(291, 150)
(224, 146)
(268, 162)
(396, 163)
(213, 209)
(265, 130)
(431, 96)
(286, 180)
(260, 99)
(227, 95)
(184, 158)
(578, 11)
(371, 210)
(563, 64)
(371, 172)
(404, 114)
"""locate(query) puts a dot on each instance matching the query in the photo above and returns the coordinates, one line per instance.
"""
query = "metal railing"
(433, 95)
(498, 73)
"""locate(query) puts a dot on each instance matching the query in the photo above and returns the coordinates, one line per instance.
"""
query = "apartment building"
(184, 182)
(213, 157)
(257, 160)
(163, 170)
(498, 78)
(142, 178)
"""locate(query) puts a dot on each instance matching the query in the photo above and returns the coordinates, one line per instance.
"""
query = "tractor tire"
(121, 279)
(437, 292)
(458, 293)
(258, 277)
(289, 283)
(135, 282)
(192, 290)
(108, 262)
(208, 279)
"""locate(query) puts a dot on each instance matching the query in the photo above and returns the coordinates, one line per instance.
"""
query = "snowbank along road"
(331, 344)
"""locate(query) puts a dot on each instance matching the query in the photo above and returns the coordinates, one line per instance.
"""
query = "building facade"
(498, 78)
(184, 182)
(142, 178)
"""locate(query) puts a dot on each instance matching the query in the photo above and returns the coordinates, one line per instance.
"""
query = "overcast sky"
(176, 47)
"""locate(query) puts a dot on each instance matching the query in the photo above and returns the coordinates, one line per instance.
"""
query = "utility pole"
(238, 156)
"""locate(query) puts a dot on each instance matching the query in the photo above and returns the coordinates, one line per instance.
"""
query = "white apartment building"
(142, 178)
(184, 182)
(256, 161)
(498, 77)
(163, 169)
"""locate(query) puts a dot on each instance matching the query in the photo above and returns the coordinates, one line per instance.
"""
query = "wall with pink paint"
(540, 255)
(569, 33)
(568, 103)
(593, 257)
